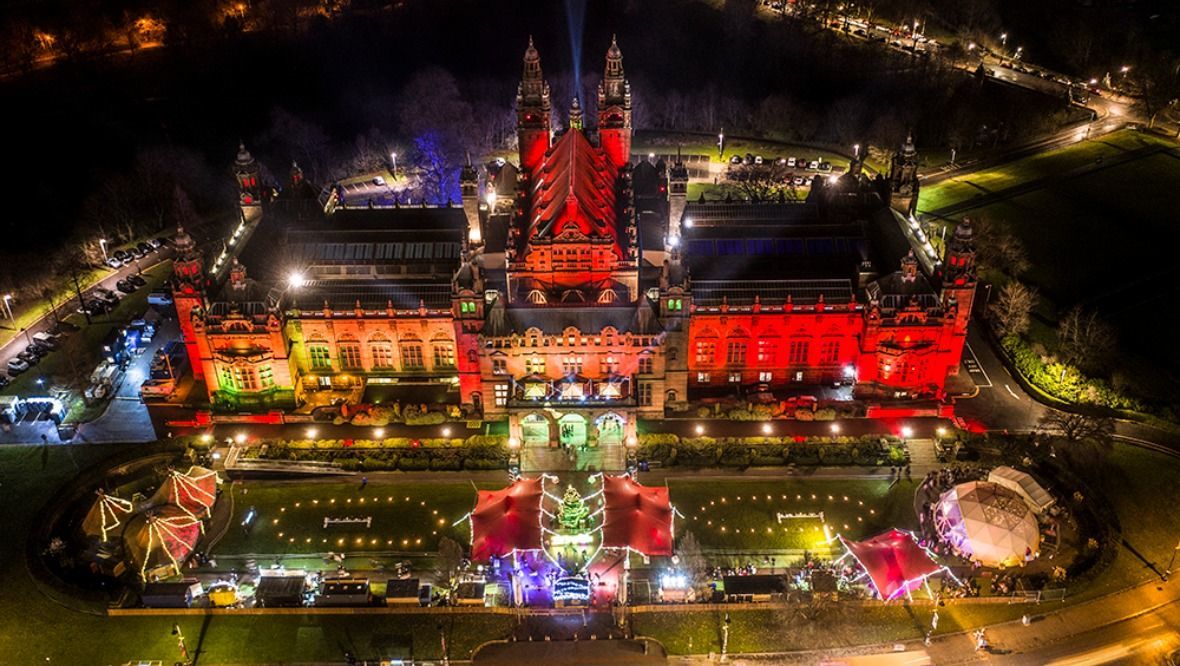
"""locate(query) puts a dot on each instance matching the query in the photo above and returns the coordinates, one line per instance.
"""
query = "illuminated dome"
(988, 523)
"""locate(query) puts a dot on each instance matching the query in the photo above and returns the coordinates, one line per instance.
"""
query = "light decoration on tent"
(165, 532)
(111, 511)
(193, 491)
(905, 586)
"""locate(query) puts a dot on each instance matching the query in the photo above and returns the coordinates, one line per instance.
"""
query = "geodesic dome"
(987, 522)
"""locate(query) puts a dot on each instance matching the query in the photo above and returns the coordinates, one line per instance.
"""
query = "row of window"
(798, 352)
(380, 355)
(572, 365)
(764, 376)
(246, 377)
(645, 392)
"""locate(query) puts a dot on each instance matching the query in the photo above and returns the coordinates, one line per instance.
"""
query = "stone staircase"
(609, 458)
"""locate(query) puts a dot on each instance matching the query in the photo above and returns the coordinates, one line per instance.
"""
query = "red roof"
(636, 517)
(506, 520)
(896, 564)
(574, 188)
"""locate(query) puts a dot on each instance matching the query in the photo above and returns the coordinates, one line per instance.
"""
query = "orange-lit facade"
(589, 295)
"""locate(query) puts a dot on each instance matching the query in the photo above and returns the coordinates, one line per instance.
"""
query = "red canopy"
(895, 563)
(506, 520)
(636, 516)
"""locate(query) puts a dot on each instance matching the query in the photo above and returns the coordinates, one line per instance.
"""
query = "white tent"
(1024, 485)
(987, 522)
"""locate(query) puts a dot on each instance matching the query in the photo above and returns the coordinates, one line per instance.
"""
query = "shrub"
(429, 418)
(411, 464)
(825, 414)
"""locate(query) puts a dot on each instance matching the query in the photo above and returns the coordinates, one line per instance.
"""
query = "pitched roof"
(574, 185)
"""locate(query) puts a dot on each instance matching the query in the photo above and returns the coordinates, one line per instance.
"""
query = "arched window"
(537, 297)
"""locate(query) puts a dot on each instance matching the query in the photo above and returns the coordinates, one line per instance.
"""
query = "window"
(829, 352)
(266, 376)
(735, 378)
(320, 357)
(767, 350)
(571, 365)
(382, 353)
(444, 355)
(645, 394)
(610, 365)
(703, 378)
(735, 352)
(798, 351)
(467, 307)
(246, 379)
(412, 356)
(350, 355)
(499, 366)
(646, 363)
(501, 393)
(226, 378)
(765, 377)
(675, 304)
(535, 365)
(537, 297)
(705, 351)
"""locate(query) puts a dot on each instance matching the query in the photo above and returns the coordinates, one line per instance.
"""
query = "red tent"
(636, 516)
(894, 561)
(506, 520)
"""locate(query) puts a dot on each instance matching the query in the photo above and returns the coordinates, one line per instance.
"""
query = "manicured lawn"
(743, 515)
(978, 183)
(406, 517)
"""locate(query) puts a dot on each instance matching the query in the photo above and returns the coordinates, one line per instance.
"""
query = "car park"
(17, 366)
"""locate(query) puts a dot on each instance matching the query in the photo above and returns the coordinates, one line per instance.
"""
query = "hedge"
(669, 449)
(1069, 386)
(479, 452)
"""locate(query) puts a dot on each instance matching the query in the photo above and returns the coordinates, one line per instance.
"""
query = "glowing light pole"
(721, 143)
(102, 243)
(856, 150)
(8, 306)
(725, 639)
(393, 164)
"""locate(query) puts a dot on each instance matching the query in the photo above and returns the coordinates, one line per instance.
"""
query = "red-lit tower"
(958, 284)
(614, 109)
(533, 110)
(188, 294)
(248, 174)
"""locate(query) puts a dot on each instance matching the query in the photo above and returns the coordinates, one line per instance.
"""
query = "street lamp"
(1004, 39)
(907, 432)
(393, 164)
(8, 306)
(856, 150)
(835, 428)
(102, 243)
(1019, 49)
(721, 143)
(296, 279)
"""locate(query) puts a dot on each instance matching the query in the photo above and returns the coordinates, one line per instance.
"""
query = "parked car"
(39, 349)
(17, 366)
(28, 357)
(137, 280)
(146, 248)
(64, 328)
(825, 166)
(757, 159)
(114, 262)
(790, 161)
(46, 339)
(813, 165)
(122, 255)
(159, 299)
(125, 286)
(157, 243)
(3, 381)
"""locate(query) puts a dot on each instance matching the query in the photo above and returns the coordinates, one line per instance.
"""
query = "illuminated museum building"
(583, 283)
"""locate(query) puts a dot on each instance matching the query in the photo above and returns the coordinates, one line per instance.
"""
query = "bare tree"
(693, 562)
(998, 250)
(1077, 427)
(448, 565)
(763, 181)
(1086, 340)
(1010, 312)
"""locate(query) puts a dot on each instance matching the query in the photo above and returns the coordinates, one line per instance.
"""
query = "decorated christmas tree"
(573, 512)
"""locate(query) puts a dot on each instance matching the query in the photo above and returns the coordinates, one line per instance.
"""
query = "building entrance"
(534, 430)
(571, 430)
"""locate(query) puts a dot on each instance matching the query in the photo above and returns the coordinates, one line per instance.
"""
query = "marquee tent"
(636, 516)
(507, 520)
(106, 515)
(895, 563)
(988, 523)
(161, 539)
(193, 491)
(1024, 485)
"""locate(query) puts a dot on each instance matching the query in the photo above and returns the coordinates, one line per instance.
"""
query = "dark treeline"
(99, 146)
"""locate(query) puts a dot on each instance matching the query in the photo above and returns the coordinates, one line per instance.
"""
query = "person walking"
(364, 482)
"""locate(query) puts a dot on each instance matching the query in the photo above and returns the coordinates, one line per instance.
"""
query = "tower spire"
(533, 111)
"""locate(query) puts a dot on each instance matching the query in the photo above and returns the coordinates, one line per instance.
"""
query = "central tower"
(533, 111)
(614, 109)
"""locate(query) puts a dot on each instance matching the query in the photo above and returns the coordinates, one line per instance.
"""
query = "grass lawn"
(743, 515)
(406, 517)
(977, 183)
(79, 354)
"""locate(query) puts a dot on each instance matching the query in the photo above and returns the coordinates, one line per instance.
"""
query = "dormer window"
(537, 297)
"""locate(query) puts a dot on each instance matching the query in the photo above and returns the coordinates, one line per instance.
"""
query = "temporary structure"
(106, 515)
(159, 540)
(193, 491)
(636, 516)
(507, 520)
(896, 564)
(1024, 485)
(988, 523)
